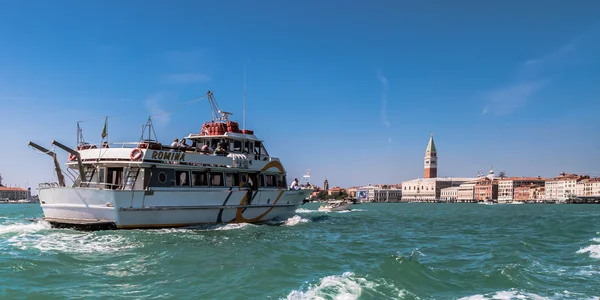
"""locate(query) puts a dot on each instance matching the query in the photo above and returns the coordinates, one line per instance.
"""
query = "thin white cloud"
(533, 75)
(509, 98)
(384, 83)
(184, 78)
(160, 116)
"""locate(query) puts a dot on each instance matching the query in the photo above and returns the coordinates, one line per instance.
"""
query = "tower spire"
(430, 170)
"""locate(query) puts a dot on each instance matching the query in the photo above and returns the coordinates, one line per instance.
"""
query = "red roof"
(3, 188)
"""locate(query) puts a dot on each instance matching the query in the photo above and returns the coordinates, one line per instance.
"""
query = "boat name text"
(165, 155)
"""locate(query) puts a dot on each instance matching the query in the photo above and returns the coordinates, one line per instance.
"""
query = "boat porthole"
(162, 177)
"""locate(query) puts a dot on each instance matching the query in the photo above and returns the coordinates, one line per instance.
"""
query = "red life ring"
(136, 154)
(72, 157)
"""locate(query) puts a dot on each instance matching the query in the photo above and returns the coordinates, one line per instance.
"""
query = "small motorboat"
(336, 205)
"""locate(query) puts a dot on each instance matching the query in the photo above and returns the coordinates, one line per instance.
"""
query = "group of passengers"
(296, 186)
(206, 149)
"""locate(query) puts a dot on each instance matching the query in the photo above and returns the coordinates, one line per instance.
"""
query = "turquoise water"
(377, 251)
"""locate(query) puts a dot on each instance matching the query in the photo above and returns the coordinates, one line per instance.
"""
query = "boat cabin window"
(281, 181)
(237, 146)
(270, 181)
(101, 175)
(182, 178)
(160, 177)
(254, 180)
(216, 179)
(199, 178)
(114, 178)
(260, 152)
(232, 180)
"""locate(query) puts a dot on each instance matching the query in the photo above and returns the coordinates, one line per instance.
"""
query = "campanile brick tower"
(431, 159)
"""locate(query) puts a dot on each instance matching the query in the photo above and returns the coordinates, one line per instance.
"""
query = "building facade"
(588, 188)
(430, 170)
(14, 193)
(532, 192)
(449, 194)
(563, 187)
(428, 189)
(506, 186)
(486, 189)
(466, 192)
(378, 194)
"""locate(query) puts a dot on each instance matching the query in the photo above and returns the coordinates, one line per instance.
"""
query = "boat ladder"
(132, 176)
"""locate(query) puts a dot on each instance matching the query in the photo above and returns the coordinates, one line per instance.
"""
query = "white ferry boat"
(226, 176)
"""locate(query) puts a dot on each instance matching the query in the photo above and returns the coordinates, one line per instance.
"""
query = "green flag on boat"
(104, 130)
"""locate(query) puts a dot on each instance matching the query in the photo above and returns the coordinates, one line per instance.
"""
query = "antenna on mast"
(244, 117)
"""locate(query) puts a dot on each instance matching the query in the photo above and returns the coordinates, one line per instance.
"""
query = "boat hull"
(90, 208)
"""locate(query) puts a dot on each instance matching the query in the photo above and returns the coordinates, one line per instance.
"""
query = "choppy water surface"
(377, 251)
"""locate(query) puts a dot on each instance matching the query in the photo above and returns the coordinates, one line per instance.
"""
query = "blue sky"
(350, 91)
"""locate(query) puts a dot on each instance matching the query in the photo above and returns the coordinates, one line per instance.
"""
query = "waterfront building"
(506, 186)
(538, 194)
(588, 187)
(326, 185)
(428, 189)
(563, 187)
(486, 189)
(430, 170)
(450, 194)
(378, 193)
(466, 192)
(336, 190)
(14, 193)
(531, 192)
(351, 191)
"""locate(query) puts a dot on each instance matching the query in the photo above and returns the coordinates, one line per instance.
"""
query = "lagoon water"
(377, 251)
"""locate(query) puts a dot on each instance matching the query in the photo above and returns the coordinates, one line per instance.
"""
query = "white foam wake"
(505, 295)
(232, 226)
(24, 227)
(593, 250)
(69, 242)
(305, 211)
(347, 286)
(295, 220)
(514, 294)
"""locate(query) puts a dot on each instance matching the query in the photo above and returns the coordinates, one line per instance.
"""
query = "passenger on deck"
(294, 185)
(175, 143)
(205, 149)
(220, 151)
(183, 145)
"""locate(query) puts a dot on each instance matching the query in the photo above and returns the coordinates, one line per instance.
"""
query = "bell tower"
(326, 185)
(431, 159)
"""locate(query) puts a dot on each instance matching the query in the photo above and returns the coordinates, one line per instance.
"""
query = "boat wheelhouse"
(225, 175)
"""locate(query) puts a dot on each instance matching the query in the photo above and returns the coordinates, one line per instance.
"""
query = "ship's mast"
(307, 176)
(218, 114)
(244, 117)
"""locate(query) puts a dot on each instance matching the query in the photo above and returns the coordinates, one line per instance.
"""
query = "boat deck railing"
(48, 184)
